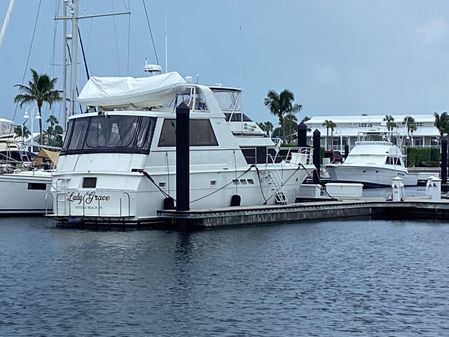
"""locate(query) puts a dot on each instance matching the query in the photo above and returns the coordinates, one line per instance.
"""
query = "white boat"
(374, 164)
(25, 192)
(23, 189)
(119, 163)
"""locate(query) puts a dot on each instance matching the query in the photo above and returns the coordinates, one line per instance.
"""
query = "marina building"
(348, 129)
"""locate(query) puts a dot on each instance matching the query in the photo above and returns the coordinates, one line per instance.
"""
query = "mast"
(64, 65)
(75, 9)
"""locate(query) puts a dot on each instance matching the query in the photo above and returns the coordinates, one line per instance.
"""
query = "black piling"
(444, 160)
(302, 135)
(182, 158)
(316, 156)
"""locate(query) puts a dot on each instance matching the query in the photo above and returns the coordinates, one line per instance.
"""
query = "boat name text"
(88, 197)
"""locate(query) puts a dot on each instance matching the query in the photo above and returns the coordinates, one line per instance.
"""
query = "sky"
(345, 57)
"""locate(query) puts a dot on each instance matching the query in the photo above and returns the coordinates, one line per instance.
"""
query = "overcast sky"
(338, 57)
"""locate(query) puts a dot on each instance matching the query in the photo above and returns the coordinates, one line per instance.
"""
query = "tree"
(290, 127)
(329, 125)
(266, 126)
(391, 124)
(281, 104)
(18, 131)
(54, 132)
(40, 89)
(410, 123)
(441, 122)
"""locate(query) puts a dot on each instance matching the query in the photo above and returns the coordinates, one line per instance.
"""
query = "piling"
(346, 151)
(316, 156)
(302, 135)
(182, 158)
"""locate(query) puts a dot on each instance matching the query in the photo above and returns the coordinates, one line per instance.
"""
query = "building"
(350, 128)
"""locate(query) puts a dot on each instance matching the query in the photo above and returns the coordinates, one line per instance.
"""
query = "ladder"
(279, 196)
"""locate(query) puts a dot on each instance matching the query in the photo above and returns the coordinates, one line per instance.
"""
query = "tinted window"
(201, 133)
(116, 133)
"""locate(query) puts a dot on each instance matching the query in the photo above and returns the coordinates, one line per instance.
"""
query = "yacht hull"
(369, 176)
(134, 197)
(25, 193)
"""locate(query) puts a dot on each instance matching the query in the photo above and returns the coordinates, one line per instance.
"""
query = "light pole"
(27, 116)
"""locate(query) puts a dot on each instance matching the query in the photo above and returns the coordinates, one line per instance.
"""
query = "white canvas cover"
(140, 92)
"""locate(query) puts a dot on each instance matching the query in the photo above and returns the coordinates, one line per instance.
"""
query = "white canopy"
(122, 91)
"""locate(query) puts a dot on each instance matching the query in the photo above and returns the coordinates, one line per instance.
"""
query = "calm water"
(355, 278)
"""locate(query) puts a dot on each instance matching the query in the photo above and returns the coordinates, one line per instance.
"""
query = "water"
(354, 278)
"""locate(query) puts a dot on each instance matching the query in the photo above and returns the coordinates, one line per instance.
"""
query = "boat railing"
(48, 195)
(293, 155)
(125, 194)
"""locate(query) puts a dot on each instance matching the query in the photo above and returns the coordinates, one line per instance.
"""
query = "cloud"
(434, 31)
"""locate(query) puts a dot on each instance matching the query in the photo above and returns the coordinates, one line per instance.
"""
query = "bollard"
(398, 193)
(433, 188)
(182, 158)
(302, 135)
(316, 156)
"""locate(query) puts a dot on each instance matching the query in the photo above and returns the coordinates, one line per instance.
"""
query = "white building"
(349, 128)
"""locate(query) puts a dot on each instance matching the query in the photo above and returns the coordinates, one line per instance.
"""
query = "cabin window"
(90, 182)
(237, 117)
(201, 133)
(109, 134)
(37, 186)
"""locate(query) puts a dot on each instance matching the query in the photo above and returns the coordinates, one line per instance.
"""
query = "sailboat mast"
(75, 9)
(64, 66)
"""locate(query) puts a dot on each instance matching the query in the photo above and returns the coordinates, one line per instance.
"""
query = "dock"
(369, 209)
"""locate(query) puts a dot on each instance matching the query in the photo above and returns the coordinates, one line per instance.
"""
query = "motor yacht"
(118, 162)
(374, 163)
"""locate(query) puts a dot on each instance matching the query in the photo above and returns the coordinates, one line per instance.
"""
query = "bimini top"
(141, 92)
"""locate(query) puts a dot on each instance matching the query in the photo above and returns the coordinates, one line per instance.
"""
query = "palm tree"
(290, 127)
(266, 126)
(22, 131)
(54, 132)
(281, 104)
(441, 122)
(410, 123)
(40, 90)
(329, 125)
(391, 124)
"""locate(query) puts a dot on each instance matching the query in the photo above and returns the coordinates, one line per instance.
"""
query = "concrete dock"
(373, 208)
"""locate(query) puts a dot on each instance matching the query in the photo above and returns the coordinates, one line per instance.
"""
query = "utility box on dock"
(344, 190)
(309, 191)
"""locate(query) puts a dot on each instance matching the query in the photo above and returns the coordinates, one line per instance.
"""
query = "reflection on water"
(354, 278)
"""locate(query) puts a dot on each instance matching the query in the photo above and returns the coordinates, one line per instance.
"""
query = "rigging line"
(29, 51)
(115, 39)
(86, 67)
(224, 186)
(151, 32)
(6, 20)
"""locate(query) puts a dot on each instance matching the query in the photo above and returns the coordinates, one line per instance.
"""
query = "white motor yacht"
(119, 163)
(372, 163)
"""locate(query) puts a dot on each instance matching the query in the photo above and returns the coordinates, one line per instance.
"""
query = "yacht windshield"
(228, 99)
(114, 133)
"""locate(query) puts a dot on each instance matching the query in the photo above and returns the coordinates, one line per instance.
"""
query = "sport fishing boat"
(118, 162)
(374, 163)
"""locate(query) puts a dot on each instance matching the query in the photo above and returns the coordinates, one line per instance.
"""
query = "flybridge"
(140, 92)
